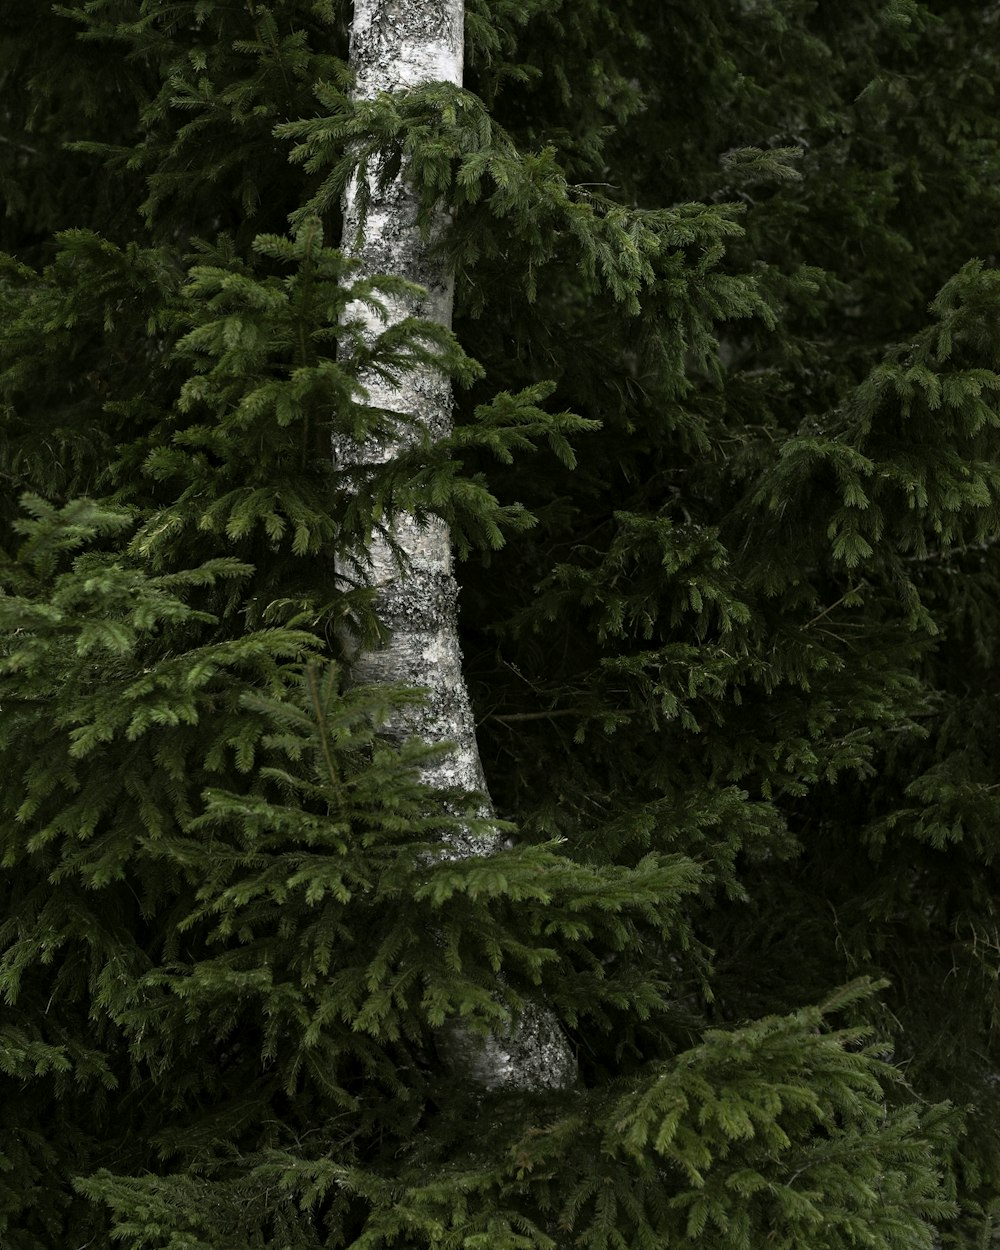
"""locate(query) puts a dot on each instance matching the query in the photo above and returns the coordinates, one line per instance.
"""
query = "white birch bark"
(397, 45)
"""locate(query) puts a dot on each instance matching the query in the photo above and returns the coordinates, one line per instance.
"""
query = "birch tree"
(396, 46)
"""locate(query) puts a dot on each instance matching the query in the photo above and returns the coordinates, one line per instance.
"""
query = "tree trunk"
(397, 45)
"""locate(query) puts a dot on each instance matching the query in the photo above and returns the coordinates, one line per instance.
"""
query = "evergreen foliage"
(726, 484)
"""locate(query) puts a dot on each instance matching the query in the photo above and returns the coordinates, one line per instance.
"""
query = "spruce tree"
(723, 479)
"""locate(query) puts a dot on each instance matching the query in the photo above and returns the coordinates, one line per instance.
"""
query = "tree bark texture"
(397, 45)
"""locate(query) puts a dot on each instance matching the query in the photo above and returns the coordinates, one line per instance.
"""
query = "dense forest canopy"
(724, 484)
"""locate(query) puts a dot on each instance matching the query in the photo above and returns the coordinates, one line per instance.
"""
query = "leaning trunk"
(397, 45)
